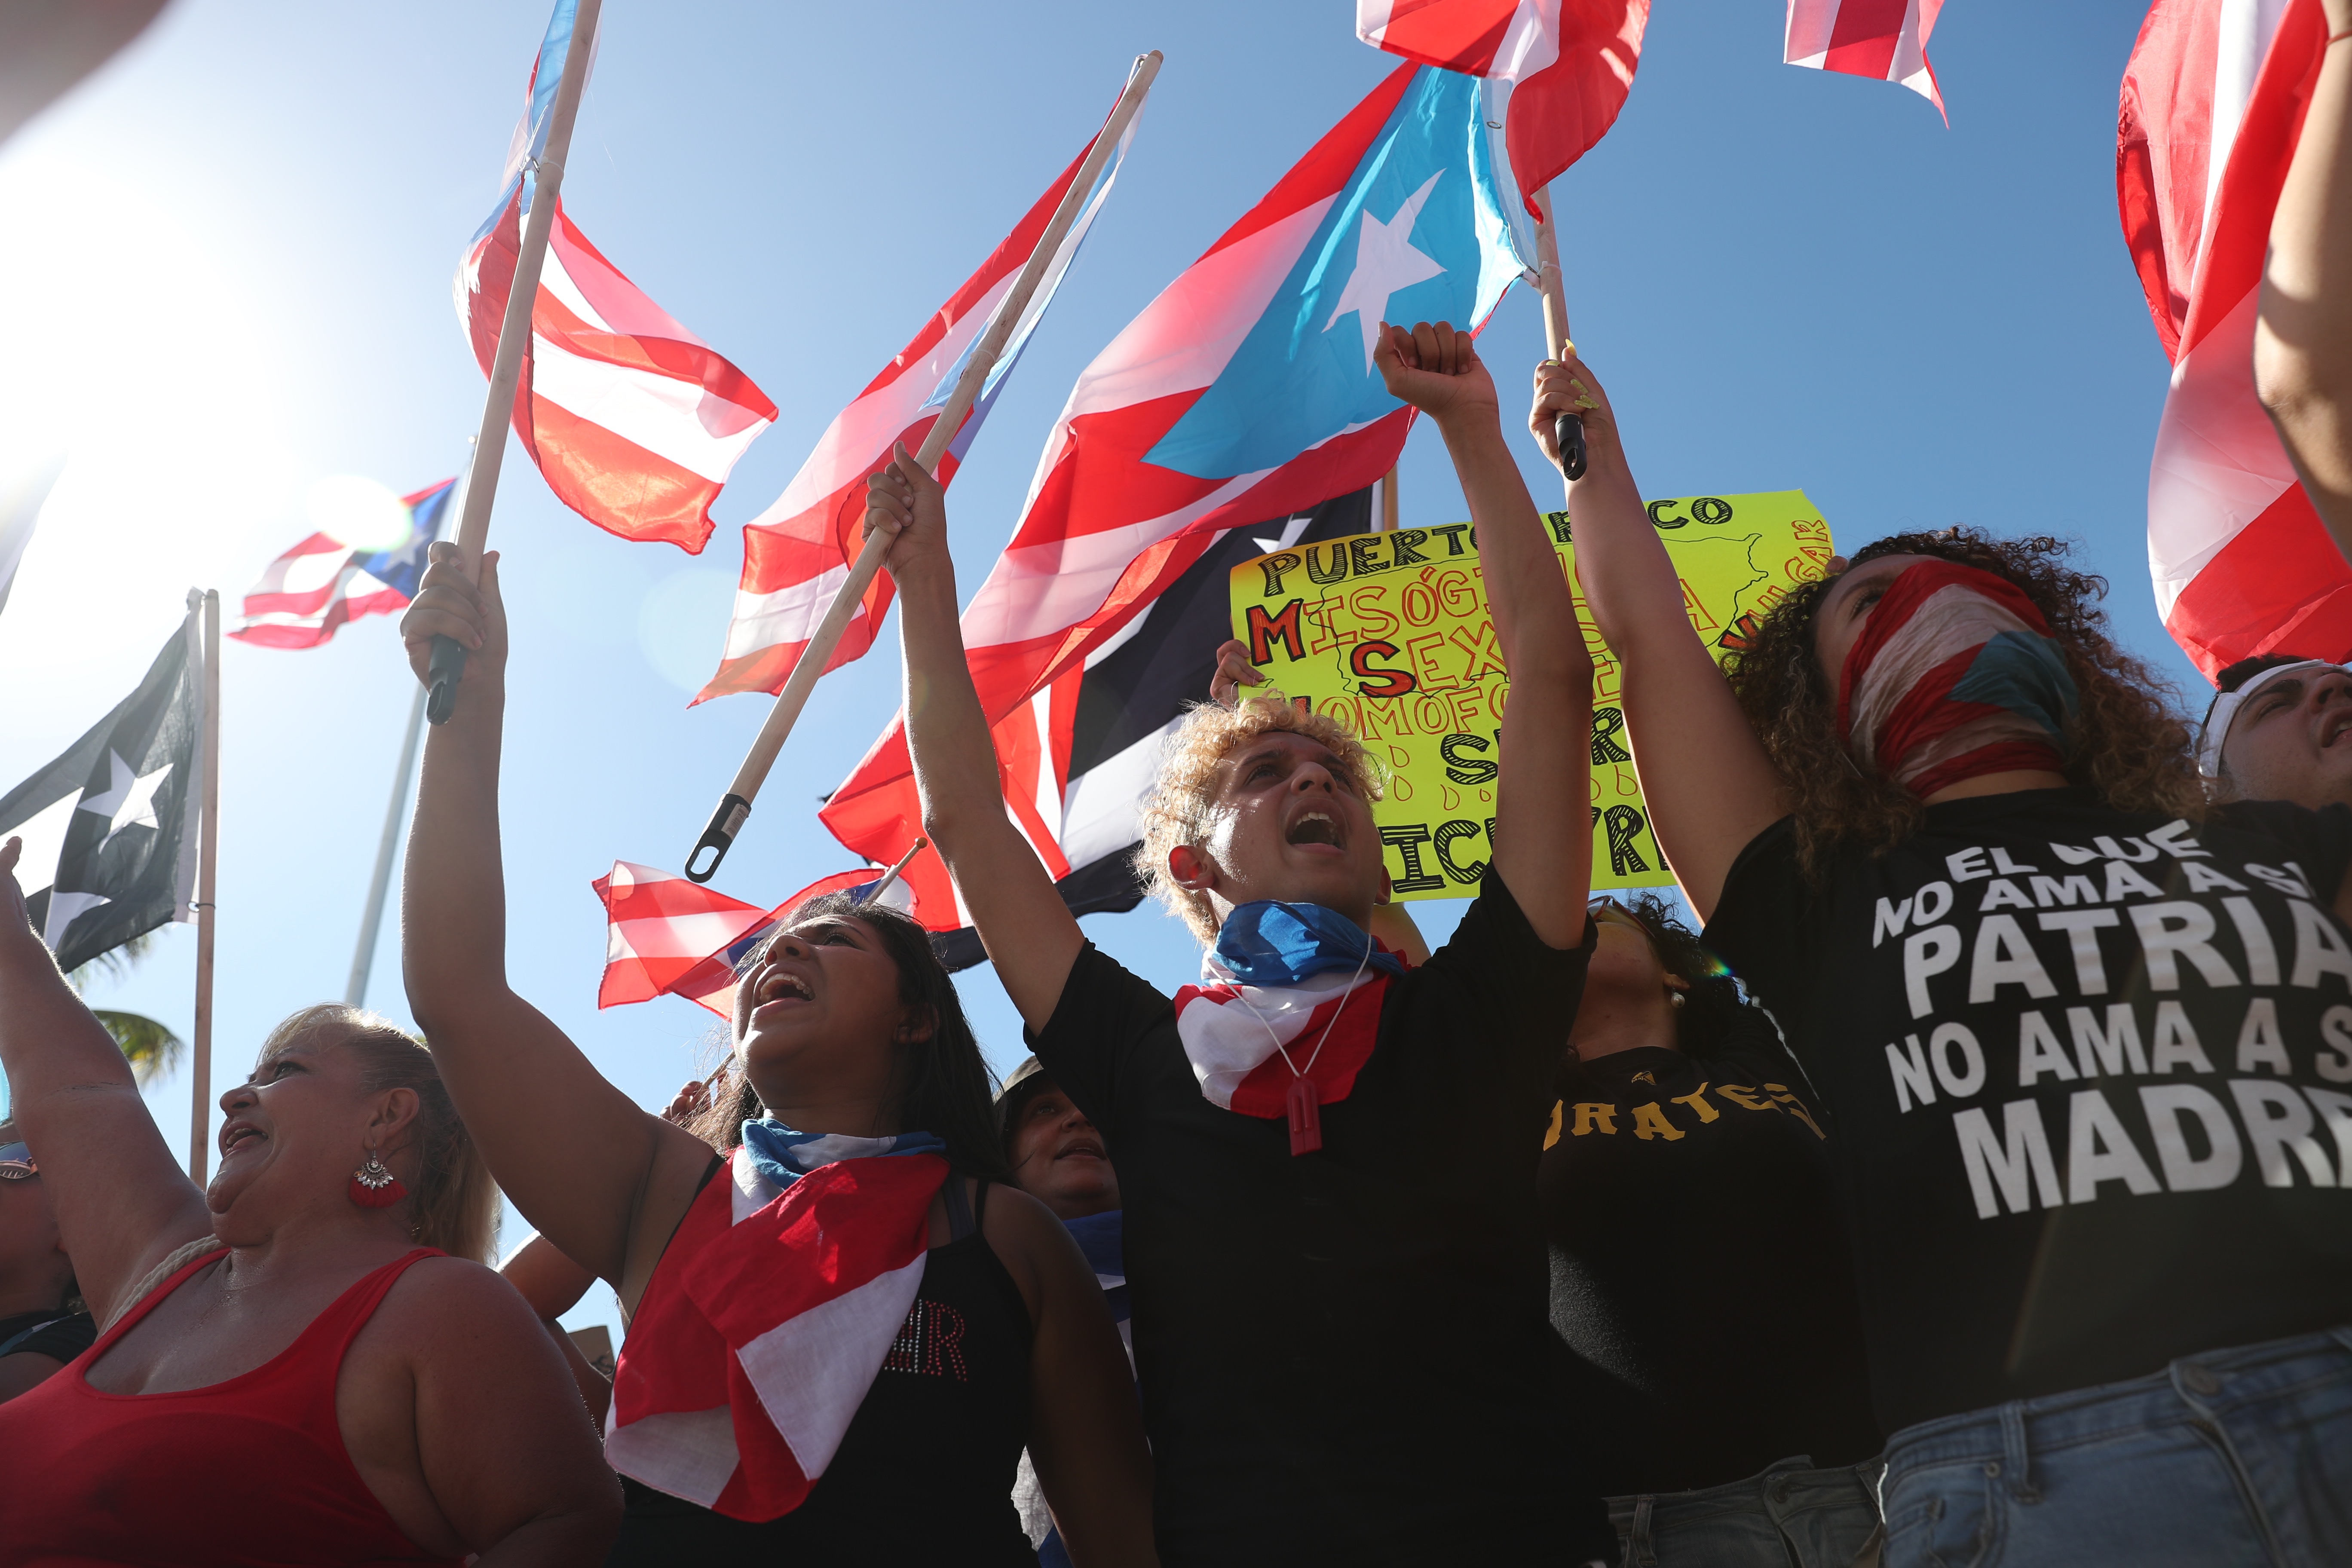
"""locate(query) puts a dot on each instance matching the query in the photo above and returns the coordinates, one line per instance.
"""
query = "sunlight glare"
(357, 511)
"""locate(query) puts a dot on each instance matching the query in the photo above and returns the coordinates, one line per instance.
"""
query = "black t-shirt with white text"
(2091, 1073)
(1701, 1284)
(1343, 1354)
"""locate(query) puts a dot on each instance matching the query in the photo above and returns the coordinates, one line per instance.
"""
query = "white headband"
(2224, 711)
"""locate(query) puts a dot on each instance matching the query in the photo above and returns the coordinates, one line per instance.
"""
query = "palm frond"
(114, 961)
(151, 1047)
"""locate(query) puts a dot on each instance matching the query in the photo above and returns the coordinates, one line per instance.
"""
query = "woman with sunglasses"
(2086, 1042)
(845, 1321)
(43, 1323)
(303, 1362)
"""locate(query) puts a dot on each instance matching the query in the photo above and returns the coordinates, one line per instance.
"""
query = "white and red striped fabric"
(1882, 38)
(634, 421)
(1114, 518)
(1569, 65)
(765, 1325)
(1328, 1023)
(2212, 104)
(667, 936)
(797, 553)
(308, 593)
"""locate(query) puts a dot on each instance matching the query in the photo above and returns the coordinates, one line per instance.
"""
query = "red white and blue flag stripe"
(312, 589)
(1236, 1035)
(765, 1323)
(1566, 66)
(1245, 391)
(2212, 107)
(634, 421)
(798, 552)
(1882, 38)
(667, 936)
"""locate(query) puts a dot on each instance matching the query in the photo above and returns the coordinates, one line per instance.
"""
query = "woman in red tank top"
(305, 1363)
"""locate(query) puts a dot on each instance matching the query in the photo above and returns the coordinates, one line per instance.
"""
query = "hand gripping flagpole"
(735, 804)
(1567, 430)
(448, 665)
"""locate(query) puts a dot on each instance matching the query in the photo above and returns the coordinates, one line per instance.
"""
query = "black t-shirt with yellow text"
(2090, 1077)
(1702, 1291)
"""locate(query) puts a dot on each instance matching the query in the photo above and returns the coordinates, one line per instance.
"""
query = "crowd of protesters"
(1974, 1189)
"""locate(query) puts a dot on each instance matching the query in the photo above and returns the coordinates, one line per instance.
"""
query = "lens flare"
(357, 511)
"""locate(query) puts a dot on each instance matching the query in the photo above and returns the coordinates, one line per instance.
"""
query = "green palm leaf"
(149, 1047)
(151, 1050)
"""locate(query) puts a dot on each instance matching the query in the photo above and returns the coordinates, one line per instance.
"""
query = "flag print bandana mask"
(1955, 676)
(1278, 1029)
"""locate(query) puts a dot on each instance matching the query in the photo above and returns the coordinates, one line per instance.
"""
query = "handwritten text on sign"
(1388, 633)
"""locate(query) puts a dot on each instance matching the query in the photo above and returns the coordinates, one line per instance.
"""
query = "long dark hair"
(1713, 1011)
(2130, 741)
(942, 1083)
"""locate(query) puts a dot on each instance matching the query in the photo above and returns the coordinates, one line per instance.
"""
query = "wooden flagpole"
(1387, 520)
(1567, 430)
(514, 336)
(735, 804)
(200, 1076)
(884, 886)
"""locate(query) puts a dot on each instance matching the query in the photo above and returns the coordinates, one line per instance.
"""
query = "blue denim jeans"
(2230, 1458)
(1791, 1516)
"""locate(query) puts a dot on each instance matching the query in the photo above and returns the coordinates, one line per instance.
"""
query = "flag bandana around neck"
(1277, 1030)
(1956, 676)
(768, 1315)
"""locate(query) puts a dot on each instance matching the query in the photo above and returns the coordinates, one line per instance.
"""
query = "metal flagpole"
(1567, 430)
(735, 804)
(363, 957)
(1387, 520)
(514, 335)
(199, 1081)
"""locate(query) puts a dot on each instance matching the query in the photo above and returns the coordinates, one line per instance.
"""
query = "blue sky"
(232, 252)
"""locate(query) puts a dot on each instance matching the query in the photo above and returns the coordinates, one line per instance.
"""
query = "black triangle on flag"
(110, 827)
(1135, 693)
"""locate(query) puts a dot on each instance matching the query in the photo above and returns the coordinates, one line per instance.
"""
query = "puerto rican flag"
(667, 936)
(312, 589)
(798, 552)
(1326, 1023)
(1882, 38)
(2212, 106)
(1566, 66)
(764, 1326)
(634, 421)
(1245, 391)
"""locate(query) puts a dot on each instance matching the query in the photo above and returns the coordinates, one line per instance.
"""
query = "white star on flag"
(131, 803)
(1386, 263)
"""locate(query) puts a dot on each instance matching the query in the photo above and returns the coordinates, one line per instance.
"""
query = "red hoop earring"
(376, 1187)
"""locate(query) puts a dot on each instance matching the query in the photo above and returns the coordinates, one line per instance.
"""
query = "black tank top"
(924, 1472)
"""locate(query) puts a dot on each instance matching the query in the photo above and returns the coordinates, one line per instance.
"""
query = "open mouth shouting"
(1316, 826)
(779, 988)
(236, 1136)
(1086, 1146)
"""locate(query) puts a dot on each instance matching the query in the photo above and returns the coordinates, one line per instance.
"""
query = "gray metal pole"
(355, 993)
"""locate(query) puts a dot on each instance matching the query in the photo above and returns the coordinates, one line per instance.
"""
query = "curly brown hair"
(1177, 810)
(2130, 741)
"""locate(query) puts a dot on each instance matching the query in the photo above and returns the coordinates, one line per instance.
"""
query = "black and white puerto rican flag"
(110, 827)
(1135, 692)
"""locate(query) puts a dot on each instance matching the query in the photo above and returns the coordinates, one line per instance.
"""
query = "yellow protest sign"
(1389, 632)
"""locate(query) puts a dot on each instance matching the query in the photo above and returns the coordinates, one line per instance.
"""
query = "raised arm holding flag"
(959, 412)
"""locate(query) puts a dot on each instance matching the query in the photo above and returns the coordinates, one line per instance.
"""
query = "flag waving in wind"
(1882, 38)
(1567, 65)
(312, 589)
(1245, 391)
(2212, 107)
(798, 552)
(635, 422)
